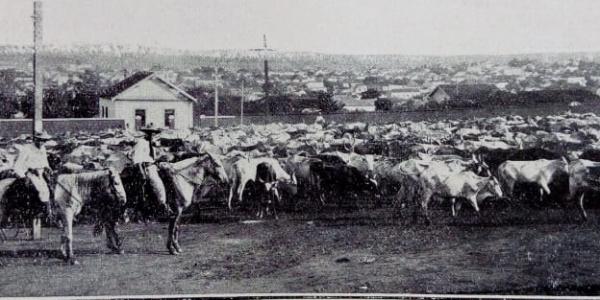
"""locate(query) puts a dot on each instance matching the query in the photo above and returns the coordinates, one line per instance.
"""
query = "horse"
(182, 179)
(24, 198)
(102, 190)
(24, 186)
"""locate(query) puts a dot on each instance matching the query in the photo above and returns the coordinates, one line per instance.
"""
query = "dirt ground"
(513, 251)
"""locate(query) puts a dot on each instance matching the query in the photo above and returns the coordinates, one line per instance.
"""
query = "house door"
(140, 118)
(170, 118)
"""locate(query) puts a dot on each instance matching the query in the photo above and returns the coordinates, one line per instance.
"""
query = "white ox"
(584, 176)
(243, 170)
(540, 172)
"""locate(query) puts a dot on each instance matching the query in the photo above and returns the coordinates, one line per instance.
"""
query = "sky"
(415, 27)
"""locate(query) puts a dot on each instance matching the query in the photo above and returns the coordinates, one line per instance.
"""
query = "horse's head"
(214, 167)
(36, 177)
(116, 185)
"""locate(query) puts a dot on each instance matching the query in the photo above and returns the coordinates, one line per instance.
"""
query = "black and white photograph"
(287, 149)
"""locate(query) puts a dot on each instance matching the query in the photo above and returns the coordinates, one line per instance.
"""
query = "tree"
(8, 106)
(84, 100)
(56, 103)
(383, 104)
(327, 104)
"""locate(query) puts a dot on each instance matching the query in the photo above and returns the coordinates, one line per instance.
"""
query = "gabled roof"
(125, 84)
(466, 91)
(134, 79)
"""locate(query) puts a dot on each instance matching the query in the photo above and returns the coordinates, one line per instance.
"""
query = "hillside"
(138, 57)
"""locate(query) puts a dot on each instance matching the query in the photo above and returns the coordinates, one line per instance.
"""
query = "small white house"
(144, 99)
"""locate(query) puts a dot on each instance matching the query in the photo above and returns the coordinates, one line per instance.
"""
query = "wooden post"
(38, 81)
(38, 76)
(242, 106)
(216, 99)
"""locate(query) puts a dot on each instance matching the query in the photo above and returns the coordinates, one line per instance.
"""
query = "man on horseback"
(143, 158)
(25, 182)
(39, 141)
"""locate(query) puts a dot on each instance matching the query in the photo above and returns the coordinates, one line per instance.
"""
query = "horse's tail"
(98, 228)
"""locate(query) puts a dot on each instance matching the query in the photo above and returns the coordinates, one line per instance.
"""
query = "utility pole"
(242, 105)
(216, 98)
(267, 87)
(38, 76)
(38, 94)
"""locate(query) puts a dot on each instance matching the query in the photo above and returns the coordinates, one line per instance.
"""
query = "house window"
(140, 118)
(106, 111)
(170, 118)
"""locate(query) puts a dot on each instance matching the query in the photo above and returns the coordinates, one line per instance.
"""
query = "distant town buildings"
(402, 84)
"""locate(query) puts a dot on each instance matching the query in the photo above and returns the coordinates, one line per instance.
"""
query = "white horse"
(182, 179)
(103, 189)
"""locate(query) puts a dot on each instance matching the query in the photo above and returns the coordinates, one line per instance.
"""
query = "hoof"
(173, 251)
(73, 262)
(118, 251)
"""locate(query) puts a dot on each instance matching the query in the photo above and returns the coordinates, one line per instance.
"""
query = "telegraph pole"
(38, 94)
(38, 76)
(242, 106)
(216, 98)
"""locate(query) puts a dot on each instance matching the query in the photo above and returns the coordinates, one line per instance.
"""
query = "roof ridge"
(126, 83)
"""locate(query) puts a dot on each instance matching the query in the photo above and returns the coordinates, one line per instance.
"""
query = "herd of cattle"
(413, 163)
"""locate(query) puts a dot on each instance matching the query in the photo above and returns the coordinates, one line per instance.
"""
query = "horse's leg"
(170, 235)
(452, 205)
(176, 232)
(240, 190)
(112, 238)
(232, 190)
(69, 236)
(109, 238)
(581, 208)
(63, 237)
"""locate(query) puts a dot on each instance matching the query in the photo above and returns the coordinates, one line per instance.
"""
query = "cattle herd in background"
(298, 166)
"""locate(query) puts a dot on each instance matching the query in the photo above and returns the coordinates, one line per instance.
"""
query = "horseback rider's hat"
(42, 136)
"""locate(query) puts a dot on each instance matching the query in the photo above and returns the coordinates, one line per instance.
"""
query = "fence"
(390, 117)
(13, 127)
(10, 128)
